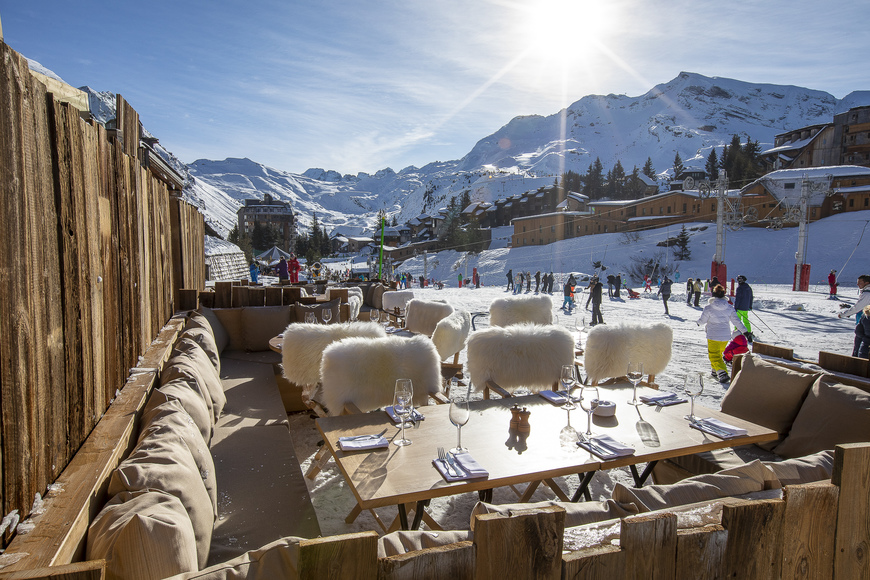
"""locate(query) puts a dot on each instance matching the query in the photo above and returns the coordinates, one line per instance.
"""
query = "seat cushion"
(262, 323)
(741, 480)
(143, 535)
(719, 459)
(832, 413)
(402, 541)
(576, 514)
(767, 394)
(165, 463)
(278, 559)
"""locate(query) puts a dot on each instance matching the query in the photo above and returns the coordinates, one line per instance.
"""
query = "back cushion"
(767, 394)
(260, 324)
(278, 559)
(189, 362)
(214, 324)
(832, 413)
(205, 340)
(143, 535)
(378, 296)
(196, 404)
(816, 467)
(231, 319)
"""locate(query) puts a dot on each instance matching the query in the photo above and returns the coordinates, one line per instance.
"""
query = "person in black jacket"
(665, 292)
(510, 284)
(595, 288)
(743, 304)
(537, 281)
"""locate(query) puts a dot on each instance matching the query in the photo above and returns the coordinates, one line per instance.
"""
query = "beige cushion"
(170, 417)
(303, 309)
(196, 403)
(231, 319)
(190, 362)
(279, 559)
(767, 394)
(748, 478)
(369, 299)
(576, 514)
(378, 296)
(832, 413)
(217, 328)
(143, 535)
(205, 340)
(164, 462)
(816, 467)
(402, 542)
(260, 324)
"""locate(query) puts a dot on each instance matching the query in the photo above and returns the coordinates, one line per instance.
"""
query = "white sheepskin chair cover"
(304, 344)
(363, 371)
(520, 355)
(422, 316)
(397, 298)
(451, 333)
(609, 349)
(520, 309)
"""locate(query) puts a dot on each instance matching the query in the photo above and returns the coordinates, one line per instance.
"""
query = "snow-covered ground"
(804, 321)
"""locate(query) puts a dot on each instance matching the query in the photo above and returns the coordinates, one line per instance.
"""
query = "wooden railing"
(92, 250)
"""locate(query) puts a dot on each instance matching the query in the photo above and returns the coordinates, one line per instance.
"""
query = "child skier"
(717, 315)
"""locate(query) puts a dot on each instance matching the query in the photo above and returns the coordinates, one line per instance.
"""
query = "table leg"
(585, 480)
(485, 495)
(639, 480)
(418, 513)
(530, 489)
(403, 516)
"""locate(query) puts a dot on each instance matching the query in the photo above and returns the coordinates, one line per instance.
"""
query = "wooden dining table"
(406, 475)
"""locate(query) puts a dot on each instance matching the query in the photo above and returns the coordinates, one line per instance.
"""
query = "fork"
(442, 455)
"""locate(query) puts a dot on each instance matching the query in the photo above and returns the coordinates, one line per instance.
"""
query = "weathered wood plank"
(773, 350)
(345, 557)
(844, 364)
(524, 545)
(852, 551)
(649, 543)
(274, 296)
(454, 561)
(256, 296)
(754, 529)
(223, 294)
(809, 529)
(594, 563)
(700, 553)
(89, 570)
(241, 296)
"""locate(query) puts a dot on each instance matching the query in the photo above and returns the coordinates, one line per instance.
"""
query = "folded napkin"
(606, 447)
(718, 428)
(415, 415)
(356, 444)
(470, 468)
(663, 399)
(553, 397)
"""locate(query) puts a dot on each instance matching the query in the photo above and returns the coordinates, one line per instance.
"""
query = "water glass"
(326, 314)
(310, 318)
(373, 315)
(568, 378)
(589, 402)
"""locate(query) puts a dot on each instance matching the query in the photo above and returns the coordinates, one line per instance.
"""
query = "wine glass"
(589, 402)
(373, 315)
(326, 314)
(694, 386)
(634, 374)
(403, 406)
(568, 378)
(459, 414)
(310, 318)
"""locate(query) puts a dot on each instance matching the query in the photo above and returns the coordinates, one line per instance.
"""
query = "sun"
(566, 31)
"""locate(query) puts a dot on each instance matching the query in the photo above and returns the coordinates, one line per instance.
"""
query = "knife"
(359, 437)
(714, 429)
(455, 465)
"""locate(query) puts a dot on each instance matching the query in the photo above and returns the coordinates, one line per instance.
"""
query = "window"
(788, 185)
(852, 203)
(669, 209)
(684, 208)
(524, 229)
(553, 228)
(866, 201)
(713, 206)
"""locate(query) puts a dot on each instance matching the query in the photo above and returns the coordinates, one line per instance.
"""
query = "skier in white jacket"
(719, 315)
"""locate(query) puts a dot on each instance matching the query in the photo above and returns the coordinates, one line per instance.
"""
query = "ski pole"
(765, 324)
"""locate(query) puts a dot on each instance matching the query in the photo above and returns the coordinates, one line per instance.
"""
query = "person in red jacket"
(832, 282)
(294, 267)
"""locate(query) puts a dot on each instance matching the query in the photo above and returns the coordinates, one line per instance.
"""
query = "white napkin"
(415, 415)
(662, 399)
(355, 444)
(606, 443)
(718, 428)
(553, 397)
(466, 463)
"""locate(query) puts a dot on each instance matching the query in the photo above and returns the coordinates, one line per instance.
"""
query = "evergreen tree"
(571, 181)
(609, 185)
(712, 166)
(618, 177)
(594, 180)
(681, 249)
(648, 169)
(634, 189)
(678, 165)
(242, 241)
(263, 237)
(465, 201)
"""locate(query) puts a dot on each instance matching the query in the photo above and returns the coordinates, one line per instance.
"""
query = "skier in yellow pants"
(719, 315)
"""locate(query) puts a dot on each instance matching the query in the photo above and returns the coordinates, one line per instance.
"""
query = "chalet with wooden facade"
(269, 212)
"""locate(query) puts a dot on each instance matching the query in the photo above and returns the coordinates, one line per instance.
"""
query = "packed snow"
(804, 321)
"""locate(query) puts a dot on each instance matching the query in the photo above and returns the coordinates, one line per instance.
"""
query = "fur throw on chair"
(520, 355)
(451, 333)
(609, 349)
(363, 371)
(422, 316)
(304, 345)
(516, 310)
(397, 298)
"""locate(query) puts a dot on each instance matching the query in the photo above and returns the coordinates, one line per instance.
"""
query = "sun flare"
(566, 31)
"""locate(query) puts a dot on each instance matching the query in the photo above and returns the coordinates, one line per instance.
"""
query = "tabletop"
(393, 475)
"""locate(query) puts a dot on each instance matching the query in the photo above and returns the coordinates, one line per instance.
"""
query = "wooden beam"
(89, 570)
(454, 561)
(754, 529)
(700, 552)
(809, 529)
(649, 543)
(525, 545)
(851, 466)
(345, 557)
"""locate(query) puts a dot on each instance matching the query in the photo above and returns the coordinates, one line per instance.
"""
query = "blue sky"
(359, 85)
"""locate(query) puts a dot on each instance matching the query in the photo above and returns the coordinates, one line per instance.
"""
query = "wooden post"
(809, 529)
(454, 561)
(349, 557)
(291, 294)
(187, 299)
(240, 296)
(851, 466)
(649, 543)
(256, 296)
(223, 294)
(754, 529)
(274, 296)
(207, 299)
(700, 552)
(525, 545)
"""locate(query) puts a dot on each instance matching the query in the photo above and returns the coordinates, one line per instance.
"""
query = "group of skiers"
(286, 269)
(543, 282)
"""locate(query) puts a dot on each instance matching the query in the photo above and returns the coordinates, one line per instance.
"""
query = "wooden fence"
(92, 253)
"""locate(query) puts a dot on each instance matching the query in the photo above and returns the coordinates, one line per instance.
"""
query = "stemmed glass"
(373, 315)
(580, 327)
(589, 402)
(634, 374)
(310, 318)
(326, 314)
(568, 379)
(403, 406)
(459, 415)
(694, 386)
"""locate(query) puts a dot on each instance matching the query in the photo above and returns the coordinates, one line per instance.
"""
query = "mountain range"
(688, 115)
